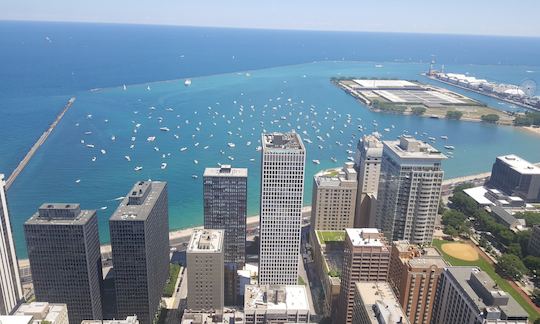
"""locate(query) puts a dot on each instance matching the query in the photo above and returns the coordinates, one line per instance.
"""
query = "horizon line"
(268, 28)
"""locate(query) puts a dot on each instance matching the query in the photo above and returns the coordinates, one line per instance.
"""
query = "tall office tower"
(282, 188)
(64, 254)
(366, 257)
(368, 166)
(414, 275)
(409, 190)
(10, 284)
(205, 255)
(515, 176)
(225, 207)
(468, 295)
(334, 199)
(140, 249)
(375, 303)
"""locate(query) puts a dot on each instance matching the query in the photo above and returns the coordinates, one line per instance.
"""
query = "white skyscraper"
(409, 190)
(10, 284)
(282, 189)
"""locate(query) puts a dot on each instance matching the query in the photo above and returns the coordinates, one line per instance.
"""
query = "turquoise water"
(297, 97)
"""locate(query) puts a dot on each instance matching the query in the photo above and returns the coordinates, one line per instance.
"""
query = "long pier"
(20, 167)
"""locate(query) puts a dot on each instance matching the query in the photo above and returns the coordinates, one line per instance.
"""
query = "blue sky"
(495, 17)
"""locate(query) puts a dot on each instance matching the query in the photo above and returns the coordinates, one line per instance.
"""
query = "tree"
(532, 263)
(490, 118)
(418, 111)
(536, 299)
(463, 203)
(510, 266)
(454, 114)
(531, 218)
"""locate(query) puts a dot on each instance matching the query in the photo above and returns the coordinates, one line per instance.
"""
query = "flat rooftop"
(138, 204)
(282, 141)
(206, 240)
(266, 297)
(60, 214)
(42, 310)
(337, 177)
(379, 295)
(129, 320)
(226, 170)
(365, 237)
(520, 165)
(15, 319)
(374, 84)
(408, 147)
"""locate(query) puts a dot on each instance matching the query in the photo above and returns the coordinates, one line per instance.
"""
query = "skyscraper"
(10, 284)
(64, 254)
(366, 257)
(205, 255)
(140, 249)
(282, 188)
(225, 207)
(368, 168)
(409, 190)
(334, 199)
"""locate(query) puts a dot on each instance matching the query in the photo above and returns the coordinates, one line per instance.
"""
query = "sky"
(477, 17)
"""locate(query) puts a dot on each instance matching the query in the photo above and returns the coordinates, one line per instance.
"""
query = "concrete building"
(276, 304)
(334, 199)
(129, 320)
(534, 241)
(205, 255)
(42, 311)
(368, 167)
(366, 257)
(516, 177)
(10, 284)
(282, 189)
(409, 190)
(140, 249)
(64, 253)
(414, 275)
(375, 303)
(225, 207)
(467, 295)
(192, 317)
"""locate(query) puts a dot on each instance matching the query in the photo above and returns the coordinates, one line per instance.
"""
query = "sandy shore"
(531, 129)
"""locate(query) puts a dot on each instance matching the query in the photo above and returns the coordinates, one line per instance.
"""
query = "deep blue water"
(43, 64)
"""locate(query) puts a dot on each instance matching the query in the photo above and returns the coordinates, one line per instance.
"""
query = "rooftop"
(266, 297)
(60, 214)
(379, 296)
(337, 177)
(206, 240)
(282, 141)
(520, 165)
(42, 311)
(378, 84)
(129, 320)
(410, 148)
(15, 319)
(365, 237)
(226, 171)
(138, 204)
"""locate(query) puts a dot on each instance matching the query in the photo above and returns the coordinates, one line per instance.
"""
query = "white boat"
(156, 148)
(90, 145)
(206, 147)
(196, 144)
(127, 158)
(125, 88)
(94, 159)
(138, 168)
(187, 83)
(151, 138)
(195, 161)
(194, 176)
(350, 158)
(163, 165)
(164, 129)
(183, 149)
(103, 151)
(259, 148)
(387, 129)
(252, 160)
(449, 147)
(87, 133)
(248, 143)
(133, 138)
(148, 88)
(113, 138)
(444, 137)
(431, 138)
(230, 158)
(378, 65)
(333, 159)
(78, 180)
(316, 161)
(103, 208)
(231, 145)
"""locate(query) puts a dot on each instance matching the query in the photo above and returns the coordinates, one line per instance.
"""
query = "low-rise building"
(375, 303)
(194, 317)
(468, 295)
(43, 311)
(129, 320)
(276, 304)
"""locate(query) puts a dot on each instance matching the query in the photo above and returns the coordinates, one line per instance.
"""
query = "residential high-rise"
(276, 304)
(140, 250)
(205, 255)
(282, 188)
(10, 284)
(65, 258)
(368, 167)
(409, 190)
(414, 275)
(516, 177)
(366, 257)
(375, 303)
(334, 199)
(468, 295)
(225, 207)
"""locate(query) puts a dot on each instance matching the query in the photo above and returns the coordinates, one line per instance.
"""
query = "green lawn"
(174, 270)
(485, 266)
(331, 236)
(301, 281)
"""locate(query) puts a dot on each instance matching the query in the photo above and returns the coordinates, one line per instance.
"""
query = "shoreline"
(530, 129)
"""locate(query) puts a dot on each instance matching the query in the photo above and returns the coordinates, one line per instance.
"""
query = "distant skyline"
(479, 17)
